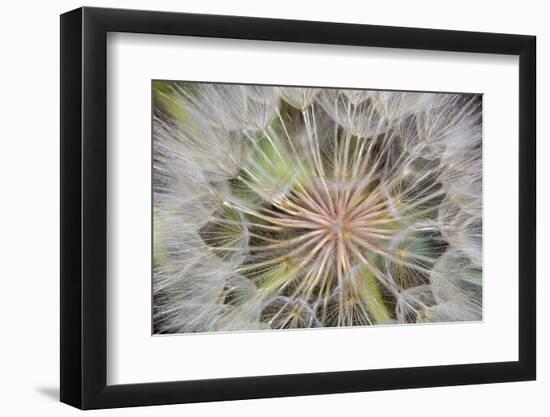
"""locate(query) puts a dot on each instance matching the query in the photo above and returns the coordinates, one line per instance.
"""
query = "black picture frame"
(84, 207)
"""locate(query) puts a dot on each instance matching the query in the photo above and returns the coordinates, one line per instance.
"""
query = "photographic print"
(278, 207)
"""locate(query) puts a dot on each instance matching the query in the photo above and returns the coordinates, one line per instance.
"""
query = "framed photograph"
(257, 208)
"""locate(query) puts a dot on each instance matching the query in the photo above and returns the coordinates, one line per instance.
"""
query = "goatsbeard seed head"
(295, 207)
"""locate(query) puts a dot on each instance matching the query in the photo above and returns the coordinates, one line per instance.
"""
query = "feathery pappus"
(285, 207)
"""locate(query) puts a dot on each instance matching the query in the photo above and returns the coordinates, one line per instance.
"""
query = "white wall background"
(29, 225)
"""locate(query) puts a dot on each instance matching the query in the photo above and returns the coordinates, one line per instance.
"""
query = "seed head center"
(339, 228)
